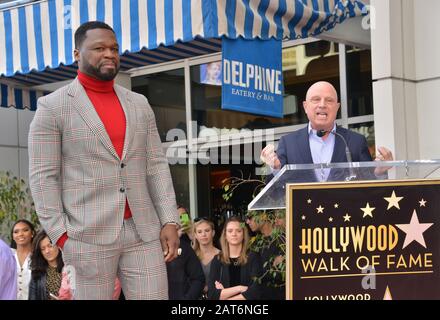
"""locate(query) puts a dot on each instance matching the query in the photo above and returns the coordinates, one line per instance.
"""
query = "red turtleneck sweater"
(107, 105)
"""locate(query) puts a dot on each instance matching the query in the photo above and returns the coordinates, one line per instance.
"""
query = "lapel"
(87, 111)
(130, 118)
(85, 108)
(304, 146)
(339, 149)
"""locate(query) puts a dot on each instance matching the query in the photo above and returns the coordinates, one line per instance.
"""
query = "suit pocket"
(73, 205)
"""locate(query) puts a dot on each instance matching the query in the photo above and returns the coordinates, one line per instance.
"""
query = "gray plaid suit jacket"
(79, 183)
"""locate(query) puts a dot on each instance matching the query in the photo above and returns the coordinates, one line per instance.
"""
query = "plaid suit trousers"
(95, 267)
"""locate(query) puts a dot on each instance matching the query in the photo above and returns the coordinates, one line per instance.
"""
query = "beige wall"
(405, 46)
(14, 126)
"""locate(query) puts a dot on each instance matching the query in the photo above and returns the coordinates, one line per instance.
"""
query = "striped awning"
(39, 36)
(19, 98)
(129, 60)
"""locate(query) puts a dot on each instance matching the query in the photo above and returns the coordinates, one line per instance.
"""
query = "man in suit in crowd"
(316, 143)
(100, 180)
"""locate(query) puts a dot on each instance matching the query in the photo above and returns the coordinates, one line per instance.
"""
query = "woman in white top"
(22, 234)
(203, 245)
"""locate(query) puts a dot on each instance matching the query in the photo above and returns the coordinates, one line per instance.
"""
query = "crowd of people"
(33, 267)
(104, 195)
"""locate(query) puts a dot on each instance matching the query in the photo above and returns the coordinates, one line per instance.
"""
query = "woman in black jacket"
(46, 264)
(234, 271)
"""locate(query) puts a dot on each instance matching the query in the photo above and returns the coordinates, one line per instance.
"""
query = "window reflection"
(359, 82)
(367, 130)
(304, 65)
(165, 92)
(179, 173)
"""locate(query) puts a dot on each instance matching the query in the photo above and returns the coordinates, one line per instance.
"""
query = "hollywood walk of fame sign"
(363, 240)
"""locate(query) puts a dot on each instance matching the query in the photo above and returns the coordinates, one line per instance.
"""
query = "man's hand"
(269, 157)
(170, 241)
(383, 154)
(65, 292)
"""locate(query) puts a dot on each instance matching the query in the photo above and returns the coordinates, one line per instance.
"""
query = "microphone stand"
(352, 175)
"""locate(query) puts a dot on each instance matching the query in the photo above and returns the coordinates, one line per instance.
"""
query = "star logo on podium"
(393, 201)
(347, 218)
(368, 211)
(414, 230)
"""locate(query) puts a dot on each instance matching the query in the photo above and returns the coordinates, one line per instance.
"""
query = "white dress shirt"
(23, 276)
(321, 150)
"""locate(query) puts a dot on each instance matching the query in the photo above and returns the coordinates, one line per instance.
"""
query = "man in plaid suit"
(100, 180)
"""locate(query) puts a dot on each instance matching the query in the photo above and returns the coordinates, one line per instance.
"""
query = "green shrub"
(15, 203)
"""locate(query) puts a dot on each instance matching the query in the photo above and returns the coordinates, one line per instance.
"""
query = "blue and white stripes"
(11, 97)
(282, 19)
(41, 34)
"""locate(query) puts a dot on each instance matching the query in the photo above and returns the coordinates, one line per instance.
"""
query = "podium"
(359, 231)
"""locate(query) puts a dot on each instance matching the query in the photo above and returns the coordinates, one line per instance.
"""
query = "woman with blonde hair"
(203, 245)
(234, 270)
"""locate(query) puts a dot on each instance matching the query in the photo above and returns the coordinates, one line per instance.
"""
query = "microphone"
(321, 133)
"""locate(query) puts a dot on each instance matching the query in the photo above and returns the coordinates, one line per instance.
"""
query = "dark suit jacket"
(185, 275)
(294, 148)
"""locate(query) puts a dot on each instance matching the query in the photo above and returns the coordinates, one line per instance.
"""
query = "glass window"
(210, 179)
(166, 93)
(302, 66)
(367, 130)
(359, 82)
(179, 173)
